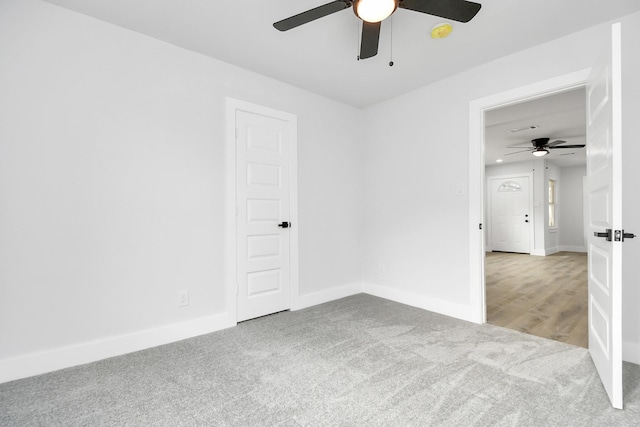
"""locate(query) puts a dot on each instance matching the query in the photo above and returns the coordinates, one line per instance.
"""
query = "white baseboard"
(631, 352)
(459, 311)
(573, 249)
(332, 294)
(79, 354)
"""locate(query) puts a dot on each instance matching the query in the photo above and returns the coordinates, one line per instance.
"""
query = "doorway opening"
(536, 262)
(479, 151)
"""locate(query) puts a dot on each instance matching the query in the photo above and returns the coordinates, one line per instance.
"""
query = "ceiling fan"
(373, 12)
(541, 146)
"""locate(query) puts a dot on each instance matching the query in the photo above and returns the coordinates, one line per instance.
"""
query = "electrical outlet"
(183, 298)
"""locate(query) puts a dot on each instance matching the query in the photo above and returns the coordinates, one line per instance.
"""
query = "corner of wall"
(309, 300)
(447, 308)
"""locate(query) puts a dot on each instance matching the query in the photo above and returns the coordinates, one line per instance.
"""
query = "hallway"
(543, 296)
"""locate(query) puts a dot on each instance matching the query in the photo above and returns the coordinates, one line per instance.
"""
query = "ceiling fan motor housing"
(540, 142)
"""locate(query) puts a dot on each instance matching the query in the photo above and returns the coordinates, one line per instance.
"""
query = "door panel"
(604, 203)
(509, 206)
(263, 202)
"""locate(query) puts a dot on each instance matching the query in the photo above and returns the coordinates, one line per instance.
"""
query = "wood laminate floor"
(539, 295)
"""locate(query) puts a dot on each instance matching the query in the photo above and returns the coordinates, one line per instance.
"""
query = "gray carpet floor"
(358, 361)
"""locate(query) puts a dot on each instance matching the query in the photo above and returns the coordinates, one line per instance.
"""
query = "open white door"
(604, 204)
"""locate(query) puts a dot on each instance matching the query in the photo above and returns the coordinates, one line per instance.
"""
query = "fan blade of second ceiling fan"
(556, 142)
(565, 146)
(516, 152)
(370, 39)
(311, 15)
(456, 10)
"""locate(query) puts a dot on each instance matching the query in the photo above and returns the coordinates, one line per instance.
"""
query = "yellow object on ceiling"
(441, 31)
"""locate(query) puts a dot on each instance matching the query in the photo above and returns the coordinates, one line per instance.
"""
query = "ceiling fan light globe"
(374, 10)
(539, 152)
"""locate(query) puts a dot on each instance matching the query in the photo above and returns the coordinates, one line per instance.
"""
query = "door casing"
(477, 179)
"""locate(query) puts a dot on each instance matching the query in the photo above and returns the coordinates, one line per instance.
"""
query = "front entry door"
(263, 148)
(510, 215)
(604, 203)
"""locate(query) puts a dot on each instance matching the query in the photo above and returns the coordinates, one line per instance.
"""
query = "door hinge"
(480, 226)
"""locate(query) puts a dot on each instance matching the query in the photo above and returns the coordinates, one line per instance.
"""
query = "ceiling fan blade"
(556, 142)
(311, 15)
(516, 152)
(565, 146)
(370, 39)
(456, 10)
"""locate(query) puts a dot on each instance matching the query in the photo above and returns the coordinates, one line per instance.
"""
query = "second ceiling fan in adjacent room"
(541, 146)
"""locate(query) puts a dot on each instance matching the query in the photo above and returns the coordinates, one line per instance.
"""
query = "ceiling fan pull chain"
(359, 32)
(391, 50)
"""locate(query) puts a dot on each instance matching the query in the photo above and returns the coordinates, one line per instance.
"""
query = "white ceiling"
(560, 116)
(321, 56)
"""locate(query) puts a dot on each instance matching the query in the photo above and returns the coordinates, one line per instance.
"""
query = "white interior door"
(509, 213)
(263, 191)
(604, 202)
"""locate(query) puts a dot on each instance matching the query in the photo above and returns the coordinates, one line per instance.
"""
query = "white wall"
(416, 227)
(112, 188)
(417, 150)
(570, 206)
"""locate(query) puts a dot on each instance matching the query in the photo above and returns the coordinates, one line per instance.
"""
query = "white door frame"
(231, 288)
(489, 202)
(477, 109)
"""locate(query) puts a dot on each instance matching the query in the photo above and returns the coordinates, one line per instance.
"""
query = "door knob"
(607, 234)
(284, 224)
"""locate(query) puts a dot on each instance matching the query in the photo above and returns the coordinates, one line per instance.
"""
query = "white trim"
(572, 249)
(477, 304)
(447, 308)
(327, 295)
(79, 354)
(233, 105)
(231, 289)
(539, 252)
(551, 251)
